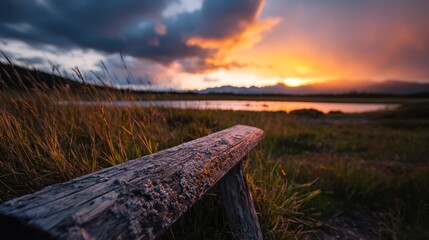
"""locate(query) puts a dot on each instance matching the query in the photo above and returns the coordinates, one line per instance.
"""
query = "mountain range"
(18, 77)
(333, 87)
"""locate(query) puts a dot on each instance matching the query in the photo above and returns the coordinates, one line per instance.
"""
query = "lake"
(240, 105)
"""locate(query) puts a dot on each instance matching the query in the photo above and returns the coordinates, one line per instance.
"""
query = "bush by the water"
(310, 113)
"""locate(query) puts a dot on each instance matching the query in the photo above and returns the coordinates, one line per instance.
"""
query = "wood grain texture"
(139, 199)
(239, 208)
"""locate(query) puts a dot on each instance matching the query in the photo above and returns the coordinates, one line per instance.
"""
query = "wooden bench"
(142, 198)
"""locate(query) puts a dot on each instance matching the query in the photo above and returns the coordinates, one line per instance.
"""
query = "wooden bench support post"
(239, 208)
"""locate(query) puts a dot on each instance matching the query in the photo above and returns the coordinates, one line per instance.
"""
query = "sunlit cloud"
(151, 30)
(245, 39)
(226, 46)
(356, 40)
(183, 43)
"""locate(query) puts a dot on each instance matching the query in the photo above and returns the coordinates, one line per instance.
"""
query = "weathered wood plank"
(238, 202)
(139, 199)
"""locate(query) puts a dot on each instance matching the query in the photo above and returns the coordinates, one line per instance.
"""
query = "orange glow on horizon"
(295, 82)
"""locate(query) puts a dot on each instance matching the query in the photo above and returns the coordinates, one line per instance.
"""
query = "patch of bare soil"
(350, 224)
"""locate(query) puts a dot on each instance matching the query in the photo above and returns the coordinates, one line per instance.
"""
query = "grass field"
(346, 98)
(312, 176)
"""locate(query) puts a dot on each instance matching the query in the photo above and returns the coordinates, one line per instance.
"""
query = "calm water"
(270, 106)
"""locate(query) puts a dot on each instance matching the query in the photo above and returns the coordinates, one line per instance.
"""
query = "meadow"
(313, 176)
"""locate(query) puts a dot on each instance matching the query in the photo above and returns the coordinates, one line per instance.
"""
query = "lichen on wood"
(139, 199)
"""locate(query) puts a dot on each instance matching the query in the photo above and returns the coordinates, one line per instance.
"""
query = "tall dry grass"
(305, 171)
(46, 138)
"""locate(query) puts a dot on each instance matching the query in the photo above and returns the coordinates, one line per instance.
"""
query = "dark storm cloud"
(96, 24)
(221, 19)
(134, 27)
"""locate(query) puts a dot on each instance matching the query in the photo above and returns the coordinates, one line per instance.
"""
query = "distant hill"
(16, 77)
(336, 87)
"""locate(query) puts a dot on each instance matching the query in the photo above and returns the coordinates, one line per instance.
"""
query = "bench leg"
(239, 208)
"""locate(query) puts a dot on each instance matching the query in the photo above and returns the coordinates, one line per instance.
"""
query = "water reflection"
(270, 106)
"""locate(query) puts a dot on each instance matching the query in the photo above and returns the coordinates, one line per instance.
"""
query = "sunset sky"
(195, 44)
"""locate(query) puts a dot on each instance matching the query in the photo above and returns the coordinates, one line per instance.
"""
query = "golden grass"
(304, 172)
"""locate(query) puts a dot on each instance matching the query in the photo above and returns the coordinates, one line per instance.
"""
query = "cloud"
(363, 39)
(211, 80)
(126, 71)
(31, 60)
(140, 29)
